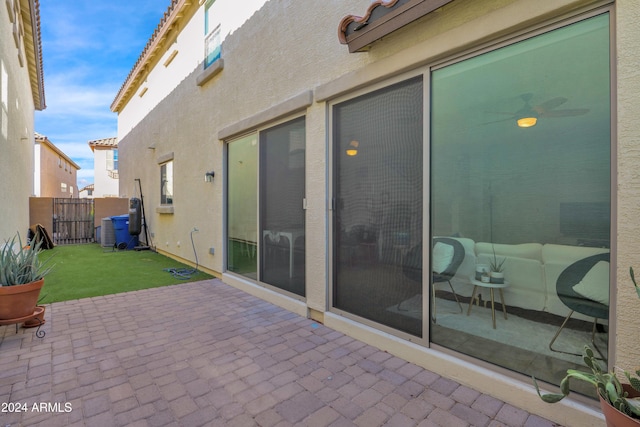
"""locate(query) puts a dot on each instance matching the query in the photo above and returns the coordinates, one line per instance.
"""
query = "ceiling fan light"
(352, 150)
(527, 122)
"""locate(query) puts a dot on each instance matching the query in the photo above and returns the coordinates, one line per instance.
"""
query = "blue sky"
(88, 49)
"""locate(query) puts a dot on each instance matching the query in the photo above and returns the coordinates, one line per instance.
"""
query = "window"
(538, 196)
(266, 224)
(112, 160)
(212, 42)
(63, 187)
(518, 174)
(166, 183)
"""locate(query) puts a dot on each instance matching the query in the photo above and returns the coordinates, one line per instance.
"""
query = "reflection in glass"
(536, 198)
(377, 222)
(242, 212)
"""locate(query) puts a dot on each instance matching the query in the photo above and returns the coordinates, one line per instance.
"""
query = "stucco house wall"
(286, 61)
(21, 93)
(628, 180)
(180, 54)
(52, 169)
(105, 185)
(105, 170)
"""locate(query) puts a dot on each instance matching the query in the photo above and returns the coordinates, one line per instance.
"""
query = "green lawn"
(81, 271)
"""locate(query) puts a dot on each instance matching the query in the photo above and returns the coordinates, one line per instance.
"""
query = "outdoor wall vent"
(170, 58)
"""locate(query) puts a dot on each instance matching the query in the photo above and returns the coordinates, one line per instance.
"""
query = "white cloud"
(88, 50)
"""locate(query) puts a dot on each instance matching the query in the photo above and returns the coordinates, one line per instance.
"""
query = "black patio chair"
(412, 268)
(570, 277)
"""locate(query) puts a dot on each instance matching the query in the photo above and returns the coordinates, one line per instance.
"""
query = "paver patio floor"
(207, 354)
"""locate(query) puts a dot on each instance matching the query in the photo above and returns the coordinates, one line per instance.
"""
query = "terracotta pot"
(36, 321)
(19, 300)
(615, 418)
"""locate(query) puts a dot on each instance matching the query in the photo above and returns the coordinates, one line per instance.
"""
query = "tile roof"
(361, 21)
(43, 139)
(170, 17)
(39, 68)
(32, 43)
(104, 142)
(381, 18)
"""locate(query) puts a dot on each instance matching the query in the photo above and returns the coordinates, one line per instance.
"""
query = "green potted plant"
(620, 402)
(497, 269)
(21, 279)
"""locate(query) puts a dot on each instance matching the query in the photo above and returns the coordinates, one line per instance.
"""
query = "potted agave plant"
(21, 279)
(497, 269)
(620, 402)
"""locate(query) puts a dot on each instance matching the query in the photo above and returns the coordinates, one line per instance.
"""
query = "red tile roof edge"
(344, 23)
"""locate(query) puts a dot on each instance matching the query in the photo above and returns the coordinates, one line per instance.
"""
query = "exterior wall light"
(208, 176)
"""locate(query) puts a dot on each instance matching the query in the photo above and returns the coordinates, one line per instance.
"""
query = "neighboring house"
(55, 174)
(105, 167)
(21, 94)
(86, 192)
(332, 147)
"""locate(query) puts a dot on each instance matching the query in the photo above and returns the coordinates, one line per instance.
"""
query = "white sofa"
(531, 269)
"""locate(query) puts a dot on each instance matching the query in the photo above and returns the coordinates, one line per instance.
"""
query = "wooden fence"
(73, 221)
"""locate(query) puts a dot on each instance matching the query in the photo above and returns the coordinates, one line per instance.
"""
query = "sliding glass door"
(377, 223)
(265, 217)
(282, 182)
(520, 175)
(242, 206)
(519, 182)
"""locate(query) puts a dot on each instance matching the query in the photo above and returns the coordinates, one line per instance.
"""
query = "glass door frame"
(332, 146)
(225, 200)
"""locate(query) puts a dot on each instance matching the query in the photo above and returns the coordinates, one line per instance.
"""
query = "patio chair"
(412, 268)
(570, 277)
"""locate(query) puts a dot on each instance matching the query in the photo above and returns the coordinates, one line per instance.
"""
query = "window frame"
(166, 200)
(212, 34)
(335, 92)
(112, 160)
(333, 146)
(257, 130)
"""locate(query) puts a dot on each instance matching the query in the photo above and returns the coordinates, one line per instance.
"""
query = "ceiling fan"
(528, 115)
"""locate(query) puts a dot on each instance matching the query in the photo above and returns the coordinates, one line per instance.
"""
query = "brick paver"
(206, 354)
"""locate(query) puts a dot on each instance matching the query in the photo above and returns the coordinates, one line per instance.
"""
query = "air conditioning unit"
(107, 233)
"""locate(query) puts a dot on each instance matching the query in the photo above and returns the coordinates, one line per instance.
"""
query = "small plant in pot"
(497, 269)
(620, 402)
(21, 278)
